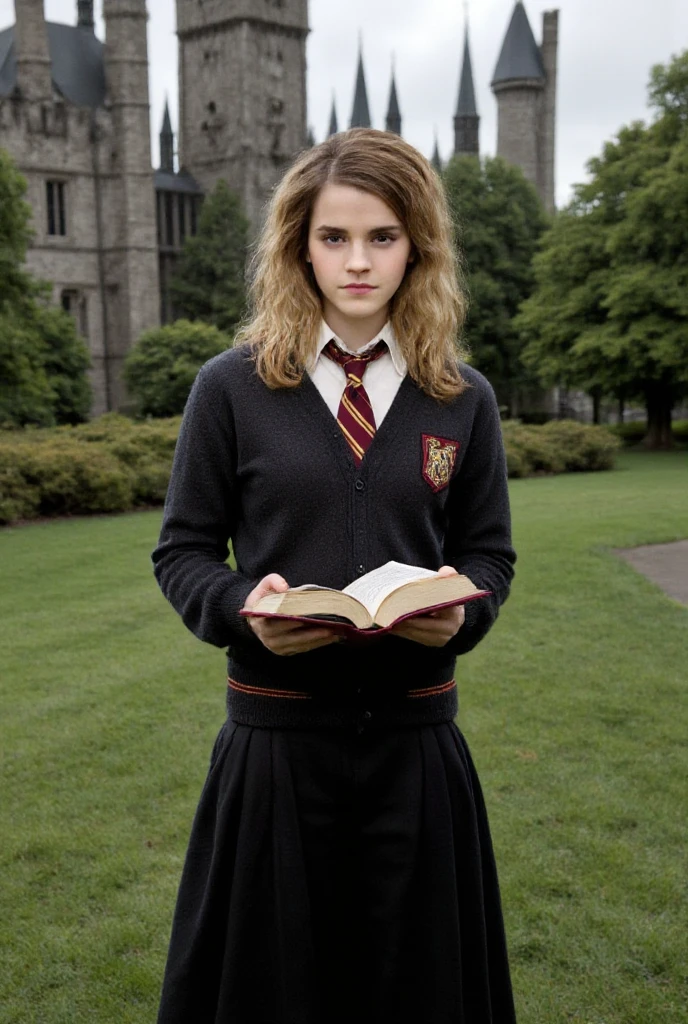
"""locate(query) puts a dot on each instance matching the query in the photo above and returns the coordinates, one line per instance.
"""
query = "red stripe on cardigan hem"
(263, 691)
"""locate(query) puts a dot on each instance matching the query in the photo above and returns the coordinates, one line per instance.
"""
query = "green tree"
(209, 283)
(499, 220)
(161, 367)
(15, 235)
(610, 311)
(43, 361)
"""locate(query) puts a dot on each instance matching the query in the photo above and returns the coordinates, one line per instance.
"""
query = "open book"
(374, 602)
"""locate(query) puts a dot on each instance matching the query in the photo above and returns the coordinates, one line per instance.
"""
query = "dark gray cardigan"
(271, 470)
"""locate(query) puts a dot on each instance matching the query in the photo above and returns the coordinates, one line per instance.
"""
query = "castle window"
(57, 221)
(169, 218)
(74, 303)
(181, 205)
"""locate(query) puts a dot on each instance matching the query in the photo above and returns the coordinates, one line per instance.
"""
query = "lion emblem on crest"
(439, 459)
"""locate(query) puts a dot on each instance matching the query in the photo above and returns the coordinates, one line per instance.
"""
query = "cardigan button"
(360, 486)
(360, 569)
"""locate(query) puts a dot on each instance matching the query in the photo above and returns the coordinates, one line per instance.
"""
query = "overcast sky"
(606, 49)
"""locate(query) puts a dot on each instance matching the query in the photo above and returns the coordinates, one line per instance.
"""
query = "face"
(359, 251)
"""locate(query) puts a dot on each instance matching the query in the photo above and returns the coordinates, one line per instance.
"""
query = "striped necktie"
(355, 415)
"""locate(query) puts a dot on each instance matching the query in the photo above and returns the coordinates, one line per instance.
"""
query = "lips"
(360, 289)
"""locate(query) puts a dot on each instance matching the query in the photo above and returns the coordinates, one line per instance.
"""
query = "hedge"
(114, 464)
(109, 465)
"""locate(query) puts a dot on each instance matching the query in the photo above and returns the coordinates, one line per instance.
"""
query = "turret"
(134, 262)
(518, 83)
(167, 142)
(34, 70)
(360, 114)
(393, 120)
(436, 159)
(334, 127)
(466, 119)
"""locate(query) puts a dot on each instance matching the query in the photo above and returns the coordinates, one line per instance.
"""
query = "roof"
(520, 56)
(78, 63)
(168, 181)
(166, 122)
(360, 115)
(393, 113)
(466, 106)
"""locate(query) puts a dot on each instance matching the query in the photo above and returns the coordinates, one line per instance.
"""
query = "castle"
(75, 117)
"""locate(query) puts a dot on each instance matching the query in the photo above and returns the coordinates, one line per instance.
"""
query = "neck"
(354, 333)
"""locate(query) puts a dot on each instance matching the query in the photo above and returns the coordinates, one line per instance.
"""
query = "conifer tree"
(209, 284)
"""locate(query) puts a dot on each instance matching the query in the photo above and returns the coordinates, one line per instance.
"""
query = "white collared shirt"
(381, 380)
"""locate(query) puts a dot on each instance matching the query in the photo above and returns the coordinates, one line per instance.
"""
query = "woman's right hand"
(283, 636)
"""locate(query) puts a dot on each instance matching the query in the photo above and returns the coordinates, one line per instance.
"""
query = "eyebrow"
(373, 231)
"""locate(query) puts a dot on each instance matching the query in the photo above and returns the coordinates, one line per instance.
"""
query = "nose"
(357, 258)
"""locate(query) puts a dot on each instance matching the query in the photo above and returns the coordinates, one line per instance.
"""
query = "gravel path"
(664, 564)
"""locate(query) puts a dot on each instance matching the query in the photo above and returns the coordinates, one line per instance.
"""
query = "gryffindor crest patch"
(439, 459)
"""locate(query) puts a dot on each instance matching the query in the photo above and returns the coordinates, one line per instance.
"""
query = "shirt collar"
(386, 335)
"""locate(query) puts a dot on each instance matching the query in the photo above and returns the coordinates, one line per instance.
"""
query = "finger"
(317, 643)
(303, 640)
(447, 570)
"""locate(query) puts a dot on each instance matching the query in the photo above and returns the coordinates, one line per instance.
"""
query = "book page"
(375, 586)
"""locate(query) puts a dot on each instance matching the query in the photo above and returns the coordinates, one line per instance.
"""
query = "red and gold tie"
(355, 415)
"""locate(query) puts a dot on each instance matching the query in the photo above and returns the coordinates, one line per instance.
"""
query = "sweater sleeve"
(478, 539)
(199, 518)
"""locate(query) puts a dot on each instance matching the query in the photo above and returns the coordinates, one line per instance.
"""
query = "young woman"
(340, 867)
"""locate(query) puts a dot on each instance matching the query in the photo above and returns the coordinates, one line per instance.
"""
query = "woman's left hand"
(436, 628)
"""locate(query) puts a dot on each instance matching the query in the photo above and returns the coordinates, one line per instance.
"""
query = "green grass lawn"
(574, 707)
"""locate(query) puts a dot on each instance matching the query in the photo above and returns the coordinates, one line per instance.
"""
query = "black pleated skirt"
(339, 876)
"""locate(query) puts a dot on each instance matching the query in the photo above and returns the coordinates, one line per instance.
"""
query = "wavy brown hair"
(428, 309)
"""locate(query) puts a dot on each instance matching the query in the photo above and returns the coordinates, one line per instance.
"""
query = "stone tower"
(34, 67)
(524, 83)
(466, 119)
(242, 93)
(131, 248)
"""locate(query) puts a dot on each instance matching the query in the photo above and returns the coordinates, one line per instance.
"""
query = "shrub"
(583, 447)
(114, 464)
(557, 447)
(530, 451)
(60, 477)
(161, 367)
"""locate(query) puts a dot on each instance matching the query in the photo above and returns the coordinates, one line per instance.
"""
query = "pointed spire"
(360, 115)
(167, 142)
(310, 138)
(520, 55)
(393, 122)
(466, 106)
(436, 159)
(85, 14)
(334, 126)
(466, 120)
